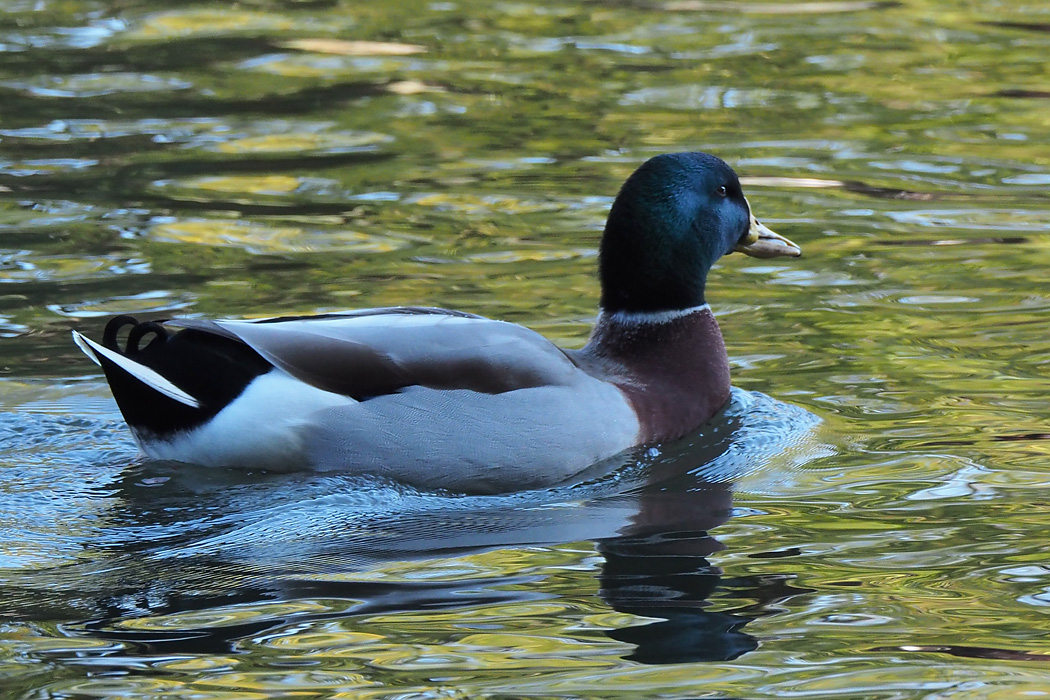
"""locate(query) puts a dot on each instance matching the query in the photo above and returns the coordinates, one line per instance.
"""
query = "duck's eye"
(721, 191)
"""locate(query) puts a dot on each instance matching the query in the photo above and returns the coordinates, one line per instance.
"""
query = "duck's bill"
(761, 242)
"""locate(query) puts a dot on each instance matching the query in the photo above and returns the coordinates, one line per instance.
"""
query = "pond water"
(869, 519)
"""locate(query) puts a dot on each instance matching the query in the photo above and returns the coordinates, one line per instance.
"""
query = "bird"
(449, 400)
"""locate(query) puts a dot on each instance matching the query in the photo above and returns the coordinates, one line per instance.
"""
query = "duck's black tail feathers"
(167, 382)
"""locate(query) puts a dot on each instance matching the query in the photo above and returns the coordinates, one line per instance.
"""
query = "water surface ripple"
(869, 519)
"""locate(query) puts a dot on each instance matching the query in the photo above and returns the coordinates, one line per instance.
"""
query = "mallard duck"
(449, 400)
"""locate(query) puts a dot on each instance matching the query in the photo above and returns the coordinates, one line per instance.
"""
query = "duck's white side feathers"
(465, 440)
(430, 438)
(263, 428)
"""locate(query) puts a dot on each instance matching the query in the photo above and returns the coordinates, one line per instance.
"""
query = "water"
(869, 521)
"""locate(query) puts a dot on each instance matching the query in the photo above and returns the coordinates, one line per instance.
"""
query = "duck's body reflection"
(183, 543)
(657, 567)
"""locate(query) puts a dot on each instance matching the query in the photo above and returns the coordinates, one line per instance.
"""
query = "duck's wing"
(378, 351)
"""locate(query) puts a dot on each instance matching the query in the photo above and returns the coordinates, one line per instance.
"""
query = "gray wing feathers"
(366, 355)
(448, 439)
(201, 324)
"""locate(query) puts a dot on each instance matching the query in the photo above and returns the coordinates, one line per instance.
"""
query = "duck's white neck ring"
(638, 318)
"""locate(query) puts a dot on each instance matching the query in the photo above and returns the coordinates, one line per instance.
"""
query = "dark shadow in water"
(967, 652)
(1020, 94)
(668, 577)
(186, 539)
(1040, 27)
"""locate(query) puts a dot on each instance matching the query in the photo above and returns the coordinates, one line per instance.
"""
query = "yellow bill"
(762, 242)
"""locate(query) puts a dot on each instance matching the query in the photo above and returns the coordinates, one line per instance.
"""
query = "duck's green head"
(673, 218)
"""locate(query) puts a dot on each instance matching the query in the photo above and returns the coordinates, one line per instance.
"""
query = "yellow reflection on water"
(297, 142)
(260, 237)
(208, 21)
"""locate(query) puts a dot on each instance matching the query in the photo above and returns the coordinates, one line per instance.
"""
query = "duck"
(449, 400)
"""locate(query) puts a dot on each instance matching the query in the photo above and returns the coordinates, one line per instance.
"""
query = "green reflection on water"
(225, 161)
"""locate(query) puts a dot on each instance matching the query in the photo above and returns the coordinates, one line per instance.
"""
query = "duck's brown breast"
(675, 373)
